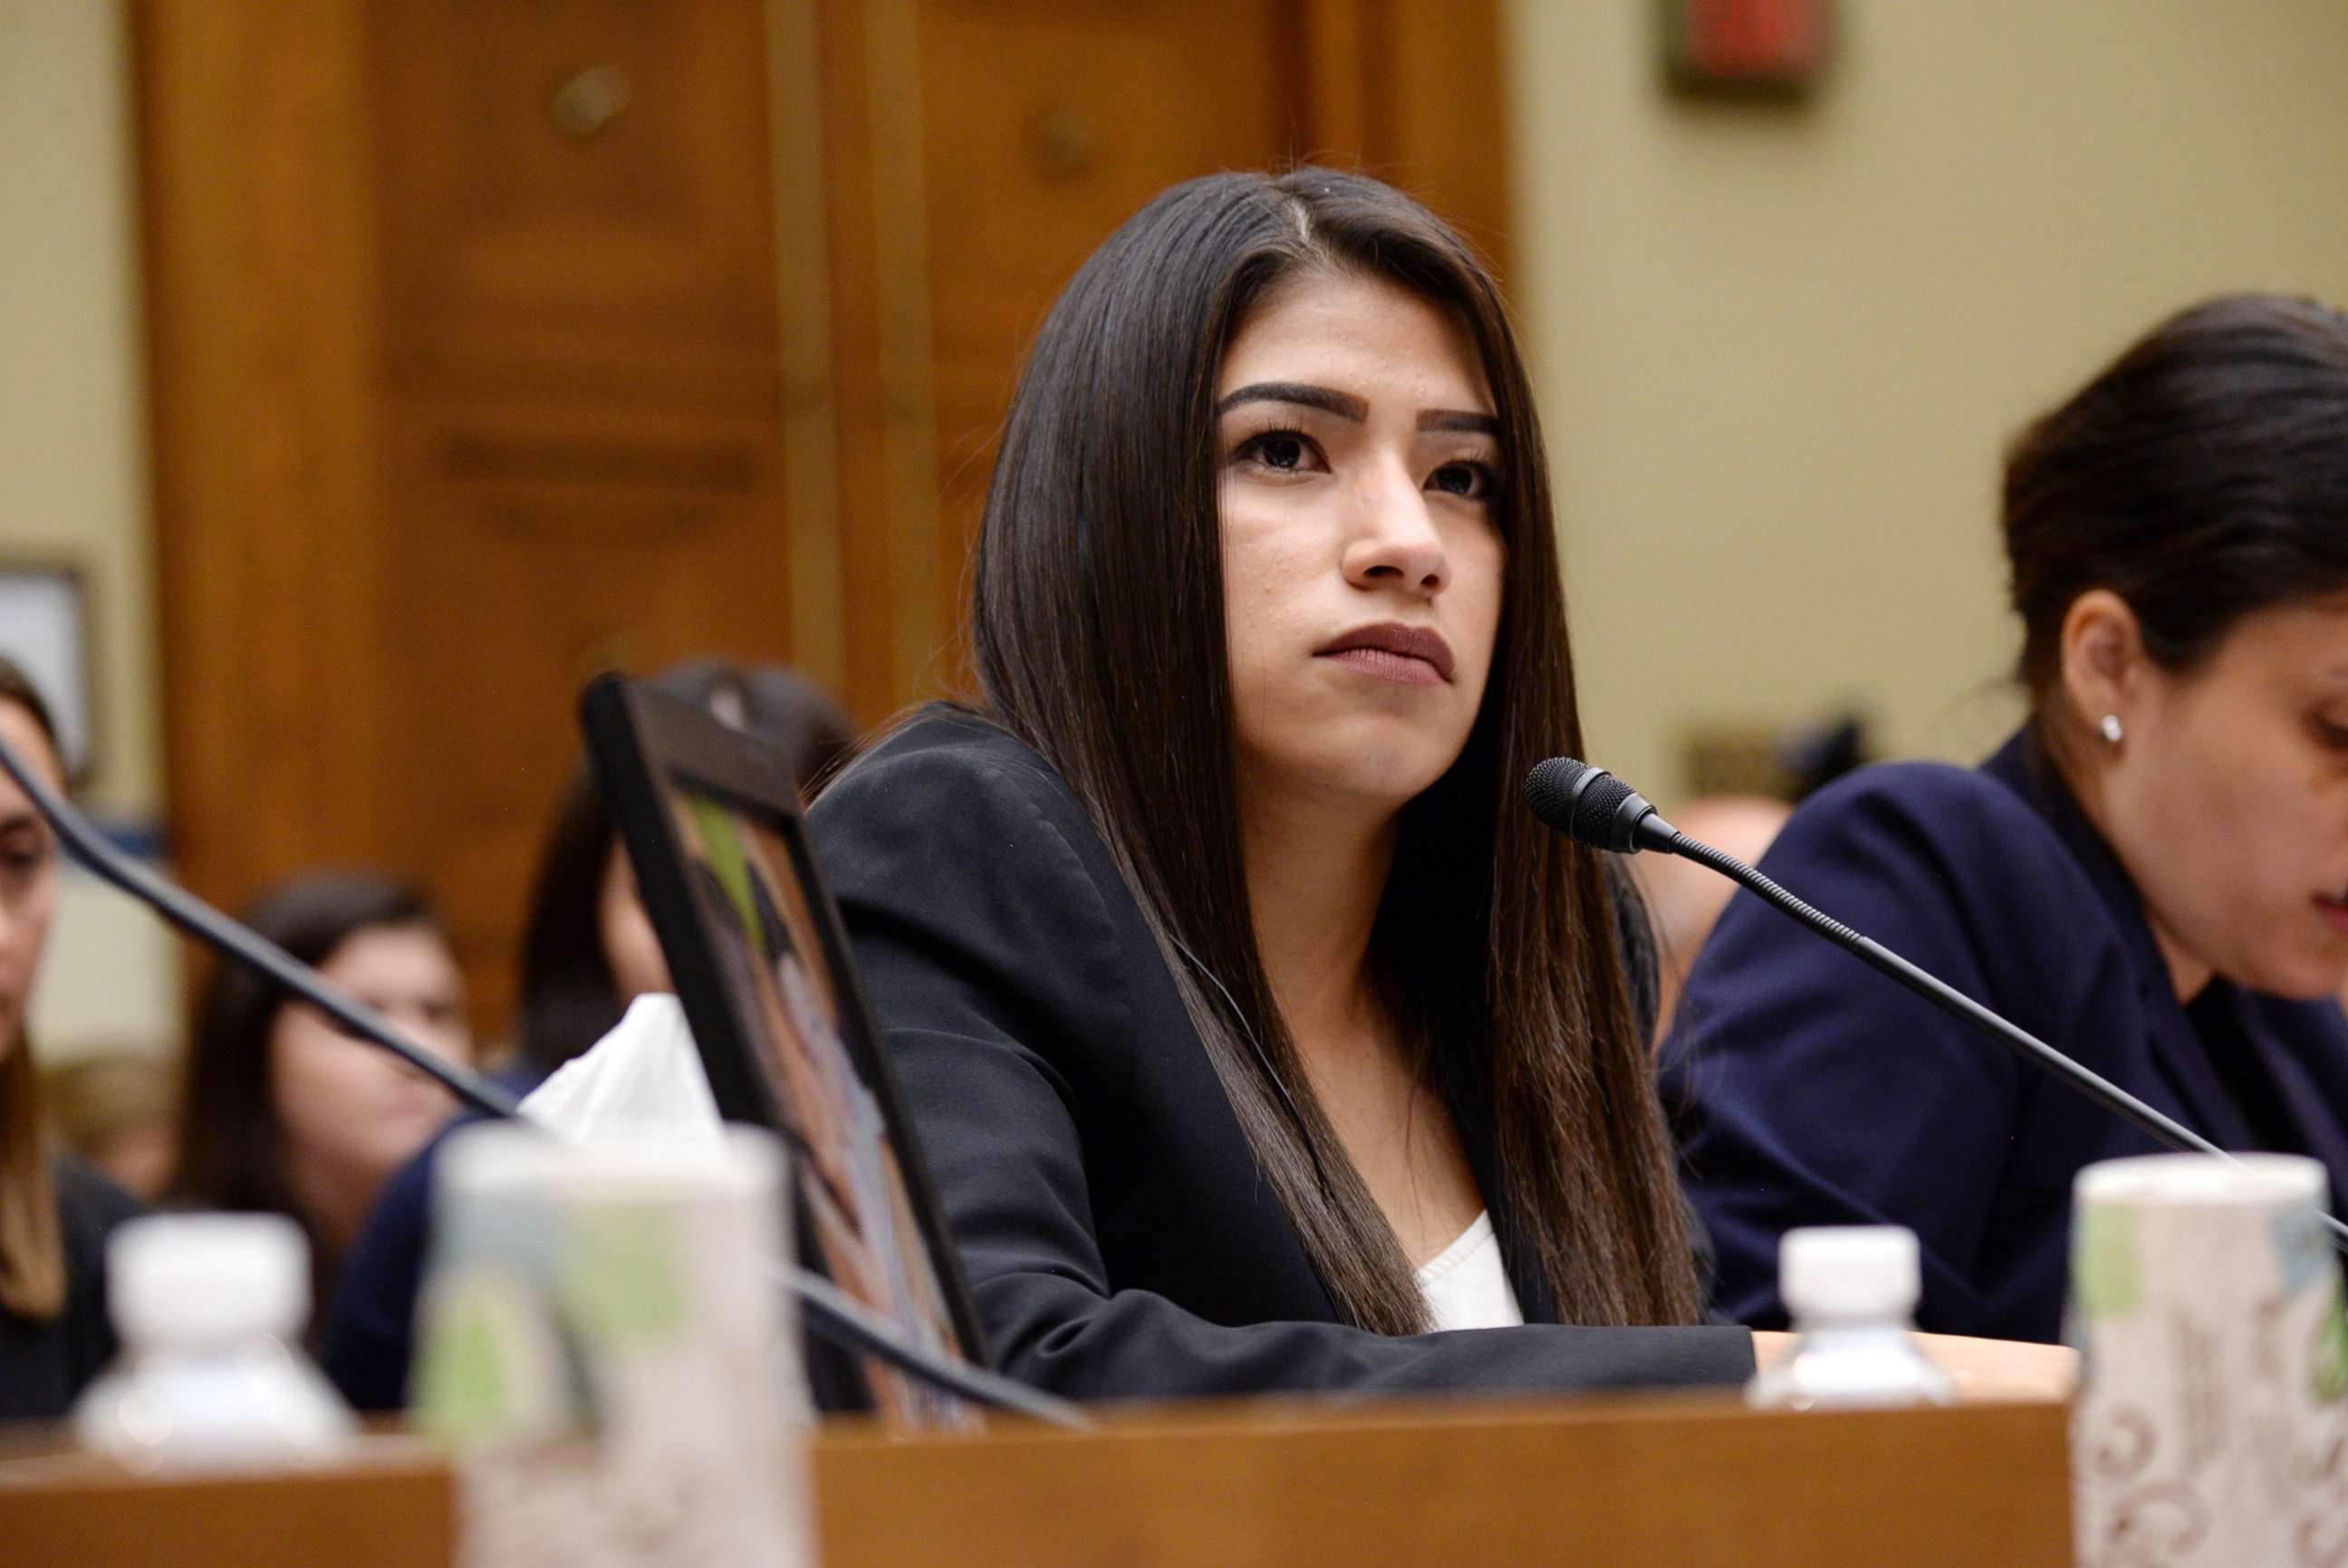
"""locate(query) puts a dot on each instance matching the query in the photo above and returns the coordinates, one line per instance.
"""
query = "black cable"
(850, 1325)
(829, 1313)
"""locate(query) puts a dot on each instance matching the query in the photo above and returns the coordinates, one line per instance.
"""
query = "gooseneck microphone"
(246, 946)
(828, 1312)
(1590, 806)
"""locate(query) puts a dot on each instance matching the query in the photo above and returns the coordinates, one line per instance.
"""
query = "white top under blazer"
(1466, 1285)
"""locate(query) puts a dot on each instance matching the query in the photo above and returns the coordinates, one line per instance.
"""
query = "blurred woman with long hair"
(282, 1112)
(55, 1211)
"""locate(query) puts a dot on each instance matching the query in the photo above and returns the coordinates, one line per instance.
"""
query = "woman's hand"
(1981, 1368)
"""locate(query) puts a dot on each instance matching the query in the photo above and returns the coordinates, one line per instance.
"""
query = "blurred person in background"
(113, 1108)
(55, 1211)
(588, 950)
(2151, 876)
(283, 1112)
(1685, 899)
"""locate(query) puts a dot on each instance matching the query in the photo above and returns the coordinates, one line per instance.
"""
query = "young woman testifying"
(1252, 1026)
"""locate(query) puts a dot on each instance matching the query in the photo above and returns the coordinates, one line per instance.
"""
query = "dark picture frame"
(711, 822)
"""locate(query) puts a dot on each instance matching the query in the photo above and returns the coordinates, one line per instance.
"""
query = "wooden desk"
(1625, 1483)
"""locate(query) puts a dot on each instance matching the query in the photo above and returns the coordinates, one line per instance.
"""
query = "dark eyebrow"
(1346, 406)
(1304, 397)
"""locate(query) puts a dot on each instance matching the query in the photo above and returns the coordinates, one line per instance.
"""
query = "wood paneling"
(576, 198)
(260, 265)
(540, 546)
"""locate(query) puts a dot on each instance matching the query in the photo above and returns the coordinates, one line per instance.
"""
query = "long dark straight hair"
(1098, 638)
(32, 1246)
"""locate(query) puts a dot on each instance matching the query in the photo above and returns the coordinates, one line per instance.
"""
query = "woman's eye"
(1284, 451)
(1472, 482)
(2330, 734)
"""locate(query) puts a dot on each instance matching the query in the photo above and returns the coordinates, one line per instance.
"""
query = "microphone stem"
(1950, 1000)
(208, 925)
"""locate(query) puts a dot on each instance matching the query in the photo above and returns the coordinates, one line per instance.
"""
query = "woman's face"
(2227, 799)
(631, 948)
(352, 1109)
(1362, 553)
(28, 872)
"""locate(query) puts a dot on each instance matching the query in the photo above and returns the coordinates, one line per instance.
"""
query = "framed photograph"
(711, 821)
(44, 630)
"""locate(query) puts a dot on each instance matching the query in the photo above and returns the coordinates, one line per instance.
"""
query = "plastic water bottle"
(210, 1309)
(1852, 1291)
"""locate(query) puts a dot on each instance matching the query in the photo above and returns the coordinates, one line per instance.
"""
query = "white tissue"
(645, 1076)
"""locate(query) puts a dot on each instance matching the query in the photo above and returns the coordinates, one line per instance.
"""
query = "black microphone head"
(1588, 805)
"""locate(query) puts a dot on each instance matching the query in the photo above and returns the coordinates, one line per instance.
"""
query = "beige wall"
(1781, 349)
(73, 465)
(73, 478)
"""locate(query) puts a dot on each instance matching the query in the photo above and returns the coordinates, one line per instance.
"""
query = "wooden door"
(495, 342)
(582, 466)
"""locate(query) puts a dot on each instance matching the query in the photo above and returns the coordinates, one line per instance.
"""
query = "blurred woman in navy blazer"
(2152, 875)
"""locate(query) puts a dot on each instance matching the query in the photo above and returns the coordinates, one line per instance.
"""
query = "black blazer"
(1812, 1091)
(1118, 1237)
(45, 1365)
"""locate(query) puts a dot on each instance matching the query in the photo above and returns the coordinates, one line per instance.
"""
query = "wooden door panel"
(577, 196)
(1045, 127)
(535, 550)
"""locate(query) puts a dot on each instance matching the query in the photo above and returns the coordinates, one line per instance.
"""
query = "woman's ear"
(2104, 663)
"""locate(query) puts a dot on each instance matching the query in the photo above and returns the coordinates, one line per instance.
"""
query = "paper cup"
(2206, 1305)
(604, 1341)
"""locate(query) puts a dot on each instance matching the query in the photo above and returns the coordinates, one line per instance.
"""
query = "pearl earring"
(2111, 728)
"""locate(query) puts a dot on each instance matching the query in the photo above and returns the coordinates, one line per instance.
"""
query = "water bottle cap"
(200, 1279)
(1849, 1271)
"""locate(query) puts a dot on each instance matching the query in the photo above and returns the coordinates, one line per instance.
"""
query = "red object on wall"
(1749, 43)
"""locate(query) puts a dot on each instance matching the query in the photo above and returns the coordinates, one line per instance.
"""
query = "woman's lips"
(1388, 665)
(2335, 911)
(1411, 656)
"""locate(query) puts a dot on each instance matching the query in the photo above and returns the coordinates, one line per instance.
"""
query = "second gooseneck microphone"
(1590, 806)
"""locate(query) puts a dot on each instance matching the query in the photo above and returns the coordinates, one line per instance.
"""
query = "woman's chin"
(1385, 779)
(1384, 759)
(2315, 981)
(2309, 973)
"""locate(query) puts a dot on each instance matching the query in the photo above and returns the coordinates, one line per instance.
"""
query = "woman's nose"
(1396, 542)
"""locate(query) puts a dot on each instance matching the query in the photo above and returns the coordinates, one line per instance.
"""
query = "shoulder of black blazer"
(1117, 1234)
